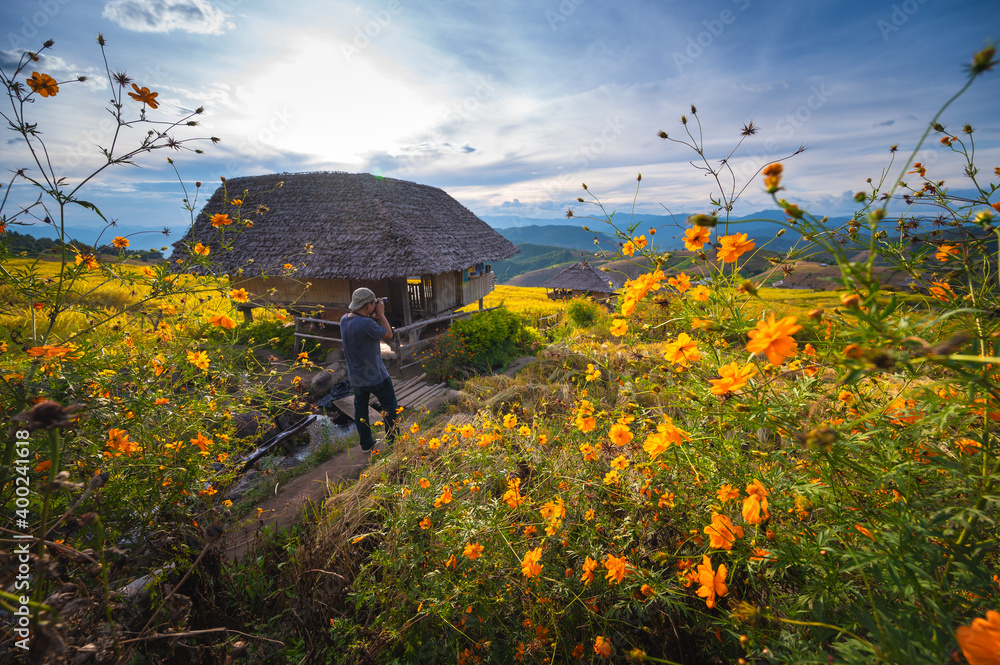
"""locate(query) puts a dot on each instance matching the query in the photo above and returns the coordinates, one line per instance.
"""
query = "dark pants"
(386, 396)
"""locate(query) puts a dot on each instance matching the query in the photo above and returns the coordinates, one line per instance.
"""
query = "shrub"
(583, 312)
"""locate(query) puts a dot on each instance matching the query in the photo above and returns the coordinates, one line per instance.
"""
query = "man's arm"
(380, 316)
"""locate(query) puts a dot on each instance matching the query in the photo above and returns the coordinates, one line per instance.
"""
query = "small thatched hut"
(315, 237)
(583, 279)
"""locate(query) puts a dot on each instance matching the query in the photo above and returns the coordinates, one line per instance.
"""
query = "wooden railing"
(412, 331)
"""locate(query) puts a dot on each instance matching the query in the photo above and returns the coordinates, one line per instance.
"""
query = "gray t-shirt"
(363, 350)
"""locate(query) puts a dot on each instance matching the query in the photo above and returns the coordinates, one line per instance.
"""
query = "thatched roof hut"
(312, 238)
(583, 279)
(358, 226)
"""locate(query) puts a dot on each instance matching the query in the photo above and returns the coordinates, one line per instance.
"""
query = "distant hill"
(18, 243)
(532, 257)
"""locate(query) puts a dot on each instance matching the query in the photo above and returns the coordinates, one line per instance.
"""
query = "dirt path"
(282, 509)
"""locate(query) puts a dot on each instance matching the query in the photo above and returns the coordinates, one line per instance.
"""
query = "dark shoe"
(369, 448)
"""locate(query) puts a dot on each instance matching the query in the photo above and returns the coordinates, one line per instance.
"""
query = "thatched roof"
(359, 226)
(583, 277)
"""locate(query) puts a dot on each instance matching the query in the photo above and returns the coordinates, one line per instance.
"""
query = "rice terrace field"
(710, 472)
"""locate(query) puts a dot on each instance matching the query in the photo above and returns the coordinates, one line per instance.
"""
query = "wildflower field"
(711, 473)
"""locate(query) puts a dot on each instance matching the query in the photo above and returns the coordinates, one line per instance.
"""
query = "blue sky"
(508, 106)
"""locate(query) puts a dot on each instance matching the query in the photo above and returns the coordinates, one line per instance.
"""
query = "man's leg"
(385, 393)
(361, 397)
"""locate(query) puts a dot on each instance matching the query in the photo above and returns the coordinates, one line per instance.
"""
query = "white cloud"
(196, 16)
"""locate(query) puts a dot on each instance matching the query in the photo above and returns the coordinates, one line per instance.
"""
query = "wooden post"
(247, 314)
(295, 347)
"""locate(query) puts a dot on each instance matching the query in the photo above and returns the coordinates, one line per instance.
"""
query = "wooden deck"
(412, 393)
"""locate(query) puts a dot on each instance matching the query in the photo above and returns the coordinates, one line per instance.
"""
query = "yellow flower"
(696, 237)
(239, 295)
(288, 266)
(619, 327)
(732, 378)
(700, 293)
(585, 423)
(221, 219)
(199, 359)
(473, 550)
(980, 642)
(510, 421)
(530, 566)
(43, 84)
(619, 463)
(683, 351)
(120, 243)
(201, 249)
(773, 338)
(222, 321)
(144, 96)
(592, 373)
(734, 246)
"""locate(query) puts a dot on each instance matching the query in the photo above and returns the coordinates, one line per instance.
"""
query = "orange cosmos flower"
(683, 351)
(732, 378)
(445, 497)
(619, 327)
(602, 647)
(221, 219)
(118, 441)
(530, 566)
(120, 243)
(681, 282)
(585, 423)
(863, 531)
(773, 338)
(239, 295)
(696, 237)
(726, 493)
(942, 291)
(734, 246)
(755, 505)
(980, 642)
(425, 523)
(589, 566)
(592, 373)
(202, 442)
(88, 260)
(712, 583)
(620, 434)
(617, 569)
(666, 434)
(512, 497)
(772, 177)
(201, 249)
(43, 84)
(473, 550)
(945, 252)
(222, 321)
(722, 533)
(144, 96)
